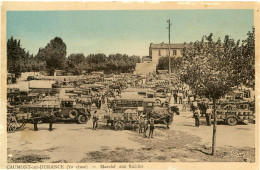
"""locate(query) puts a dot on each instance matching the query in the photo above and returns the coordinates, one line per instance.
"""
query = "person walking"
(151, 128)
(209, 112)
(95, 120)
(197, 116)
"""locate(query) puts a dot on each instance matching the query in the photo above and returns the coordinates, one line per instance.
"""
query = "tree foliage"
(114, 63)
(211, 68)
(163, 63)
(19, 60)
(54, 55)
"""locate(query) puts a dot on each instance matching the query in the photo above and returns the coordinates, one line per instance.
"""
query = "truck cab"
(69, 109)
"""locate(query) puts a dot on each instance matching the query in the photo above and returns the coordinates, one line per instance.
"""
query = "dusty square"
(182, 142)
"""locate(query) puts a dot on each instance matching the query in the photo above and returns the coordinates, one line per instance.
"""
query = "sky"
(123, 31)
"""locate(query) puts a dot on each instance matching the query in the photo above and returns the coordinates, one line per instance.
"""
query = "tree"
(54, 55)
(96, 61)
(209, 68)
(76, 58)
(163, 63)
(122, 63)
(16, 57)
(76, 63)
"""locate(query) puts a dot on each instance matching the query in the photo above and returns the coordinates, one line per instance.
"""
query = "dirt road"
(182, 142)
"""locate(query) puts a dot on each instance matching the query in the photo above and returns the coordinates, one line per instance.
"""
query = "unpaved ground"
(183, 142)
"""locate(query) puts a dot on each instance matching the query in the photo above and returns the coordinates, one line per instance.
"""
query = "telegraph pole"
(169, 28)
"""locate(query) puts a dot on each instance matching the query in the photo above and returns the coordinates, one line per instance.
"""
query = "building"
(162, 50)
(149, 63)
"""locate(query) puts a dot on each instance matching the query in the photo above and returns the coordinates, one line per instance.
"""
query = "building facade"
(162, 50)
(149, 63)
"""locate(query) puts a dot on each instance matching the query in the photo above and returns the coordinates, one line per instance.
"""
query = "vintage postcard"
(129, 85)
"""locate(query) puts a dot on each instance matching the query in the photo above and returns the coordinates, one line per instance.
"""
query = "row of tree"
(114, 63)
(53, 57)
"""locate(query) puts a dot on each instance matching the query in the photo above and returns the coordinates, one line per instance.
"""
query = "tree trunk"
(214, 128)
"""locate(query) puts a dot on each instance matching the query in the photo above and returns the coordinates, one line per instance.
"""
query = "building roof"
(166, 46)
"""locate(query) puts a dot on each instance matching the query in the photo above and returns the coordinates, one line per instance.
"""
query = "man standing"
(193, 106)
(151, 128)
(95, 120)
(145, 127)
(180, 95)
(35, 119)
(175, 97)
(208, 116)
(197, 116)
(51, 119)
(141, 122)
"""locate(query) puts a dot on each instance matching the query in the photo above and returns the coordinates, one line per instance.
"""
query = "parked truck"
(63, 110)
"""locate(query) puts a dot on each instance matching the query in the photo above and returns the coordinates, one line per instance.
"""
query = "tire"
(11, 127)
(21, 123)
(122, 125)
(57, 114)
(73, 114)
(117, 126)
(246, 122)
(158, 102)
(82, 119)
(232, 121)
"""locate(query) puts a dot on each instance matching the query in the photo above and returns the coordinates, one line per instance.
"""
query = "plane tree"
(211, 69)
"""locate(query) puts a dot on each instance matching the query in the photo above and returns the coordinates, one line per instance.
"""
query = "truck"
(127, 110)
(64, 110)
(234, 112)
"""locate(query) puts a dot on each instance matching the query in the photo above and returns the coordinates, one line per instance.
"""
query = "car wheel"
(157, 102)
(117, 126)
(232, 121)
(73, 114)
(82, 119)
(122, 126)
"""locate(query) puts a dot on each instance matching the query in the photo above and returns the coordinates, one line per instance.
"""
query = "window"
(68, 104)
(174, 52)
(159, 52)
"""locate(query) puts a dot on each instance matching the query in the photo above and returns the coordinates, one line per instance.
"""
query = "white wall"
(145, 68)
